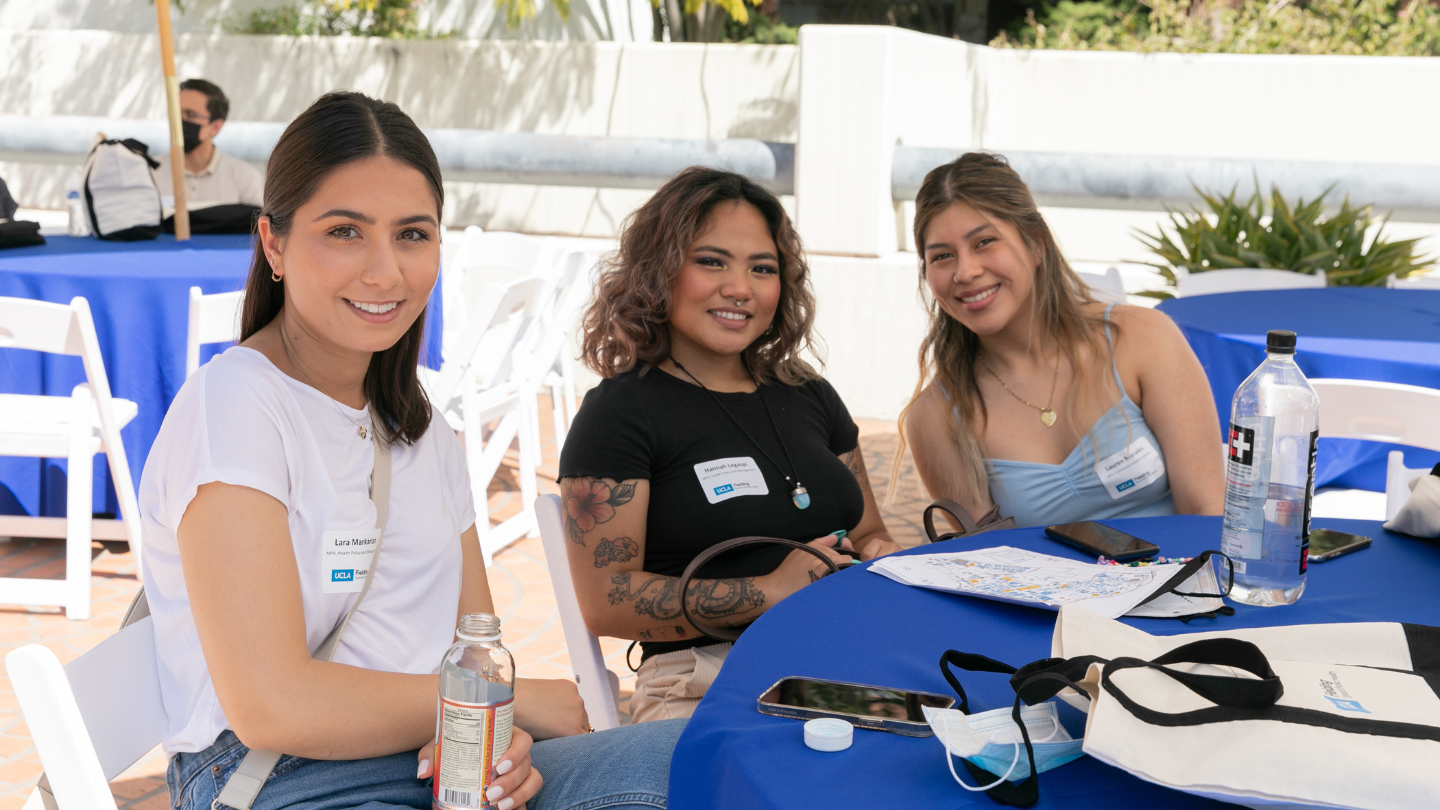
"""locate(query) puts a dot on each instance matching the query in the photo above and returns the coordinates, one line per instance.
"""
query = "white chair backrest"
(1108, 287)
(497, 257)
(585, 656)
(500, 320)
(1397, 482)
(94, 718)
(213, 319)
(1379, 412)
(58, 329)
(1425, 282)
(1241, 280)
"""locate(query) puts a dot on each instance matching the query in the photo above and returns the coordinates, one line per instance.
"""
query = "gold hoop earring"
(274, 277)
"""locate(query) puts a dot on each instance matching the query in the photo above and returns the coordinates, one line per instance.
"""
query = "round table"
(139, 294)
(861, 627)
(1358, 333)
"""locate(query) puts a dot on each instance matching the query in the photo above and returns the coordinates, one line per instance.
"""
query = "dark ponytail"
(336, 130)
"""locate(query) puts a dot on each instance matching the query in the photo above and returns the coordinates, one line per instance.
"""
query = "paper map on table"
(1040, 580)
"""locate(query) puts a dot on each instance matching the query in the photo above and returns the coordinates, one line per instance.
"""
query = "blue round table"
(139, 294)
(1358, 333)
(861, 627)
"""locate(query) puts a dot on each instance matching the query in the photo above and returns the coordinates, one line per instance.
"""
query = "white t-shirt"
(224, 179)
(240, 420)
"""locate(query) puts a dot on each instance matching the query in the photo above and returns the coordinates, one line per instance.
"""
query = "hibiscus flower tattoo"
(590, 502)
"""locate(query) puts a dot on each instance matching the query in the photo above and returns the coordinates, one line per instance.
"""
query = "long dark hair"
(627, 323)
(338, 129)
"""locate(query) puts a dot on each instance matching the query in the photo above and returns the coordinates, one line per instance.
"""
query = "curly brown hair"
(627, 322)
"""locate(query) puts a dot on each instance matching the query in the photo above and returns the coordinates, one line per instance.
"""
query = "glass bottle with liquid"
(476, 709)
(1270, 478)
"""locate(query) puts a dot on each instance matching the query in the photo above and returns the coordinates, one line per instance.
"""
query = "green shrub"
(1357, 27)
(761, 30)
(1234, 234)
(398, 19)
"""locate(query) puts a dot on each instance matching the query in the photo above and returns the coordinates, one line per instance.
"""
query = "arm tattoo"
(855, 462)
(619, 550)
(656, 597)
(590, 502)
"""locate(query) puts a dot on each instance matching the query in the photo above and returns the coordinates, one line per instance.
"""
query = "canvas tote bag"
(1326, 715)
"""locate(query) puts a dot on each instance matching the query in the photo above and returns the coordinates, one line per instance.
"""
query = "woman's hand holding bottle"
(515, 782)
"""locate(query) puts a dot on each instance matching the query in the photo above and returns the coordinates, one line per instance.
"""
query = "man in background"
(211, 176)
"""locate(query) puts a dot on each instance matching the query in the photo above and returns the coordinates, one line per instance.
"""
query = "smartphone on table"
(881, 708)
(1327, 545)
(1102, 541)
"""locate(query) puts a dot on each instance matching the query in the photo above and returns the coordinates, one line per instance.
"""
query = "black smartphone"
(1327, 545)
(881, 708)
(1102, 541)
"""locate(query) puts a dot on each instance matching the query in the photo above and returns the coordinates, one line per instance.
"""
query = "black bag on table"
(236, 218)
(20, 233)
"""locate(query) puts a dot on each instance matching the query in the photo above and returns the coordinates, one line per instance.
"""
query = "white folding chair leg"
(474, 454)
(78, 492)
(567, 366)
(529, 458)
(557, 417)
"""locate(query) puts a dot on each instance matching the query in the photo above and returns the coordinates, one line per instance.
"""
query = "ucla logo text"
(342, 575)
(721, 490)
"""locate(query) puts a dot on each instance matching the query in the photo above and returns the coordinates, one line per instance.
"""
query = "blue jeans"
(626, 768)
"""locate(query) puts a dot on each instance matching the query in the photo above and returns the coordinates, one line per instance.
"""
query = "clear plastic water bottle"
(75, 206)
(475, 715)
(1270, 478)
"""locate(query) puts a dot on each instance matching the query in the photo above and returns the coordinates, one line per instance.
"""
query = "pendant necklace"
(1047, 416)
(284, 344)
(799, 495)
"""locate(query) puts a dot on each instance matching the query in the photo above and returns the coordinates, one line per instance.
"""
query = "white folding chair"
(213, 319)
(1377, 412)
(572, 290)
(1223, 281)
(74, 428)
(599, 687)
(91, 719)
(481, 385)
(1108, 287)
(1426, 282)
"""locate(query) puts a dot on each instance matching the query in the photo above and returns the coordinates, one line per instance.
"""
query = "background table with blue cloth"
(139, 294)
(1357, 333)
(860, 627)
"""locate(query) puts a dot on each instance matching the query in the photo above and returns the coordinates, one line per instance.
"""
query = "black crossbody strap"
(726, 633)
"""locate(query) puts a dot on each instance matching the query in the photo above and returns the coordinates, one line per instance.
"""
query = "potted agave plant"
(1251, 235)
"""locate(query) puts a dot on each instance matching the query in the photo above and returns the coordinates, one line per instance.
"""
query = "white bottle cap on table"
(828, 734)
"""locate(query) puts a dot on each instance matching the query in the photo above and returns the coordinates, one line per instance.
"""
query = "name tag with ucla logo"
(1132, 469)
(726, 478)
(348, 555)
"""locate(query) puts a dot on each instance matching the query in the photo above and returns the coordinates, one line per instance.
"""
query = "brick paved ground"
(519, 581)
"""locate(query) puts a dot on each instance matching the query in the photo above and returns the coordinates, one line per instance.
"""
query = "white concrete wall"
(601, 88)
(590, 20)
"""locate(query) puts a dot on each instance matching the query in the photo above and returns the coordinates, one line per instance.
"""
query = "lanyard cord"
(758, 389)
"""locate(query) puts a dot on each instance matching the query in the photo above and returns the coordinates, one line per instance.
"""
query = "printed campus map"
(1029, 578)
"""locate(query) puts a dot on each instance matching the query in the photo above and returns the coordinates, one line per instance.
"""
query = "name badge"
(348, 555)
(1134, 468)
(726, 478)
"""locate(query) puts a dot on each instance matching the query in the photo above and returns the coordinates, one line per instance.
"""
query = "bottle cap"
(1280, 341)
(828, 734)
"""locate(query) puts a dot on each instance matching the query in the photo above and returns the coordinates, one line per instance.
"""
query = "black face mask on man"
(191, 131)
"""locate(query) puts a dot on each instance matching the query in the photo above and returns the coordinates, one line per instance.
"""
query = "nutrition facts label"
(473, 737)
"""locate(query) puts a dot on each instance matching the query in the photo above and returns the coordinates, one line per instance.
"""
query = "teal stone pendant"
(801, 497)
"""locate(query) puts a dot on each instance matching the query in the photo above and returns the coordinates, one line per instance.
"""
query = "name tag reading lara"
(1134, 468)
(348, 555)
(726, 478)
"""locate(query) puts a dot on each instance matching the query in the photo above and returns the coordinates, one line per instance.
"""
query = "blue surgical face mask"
(992, 741)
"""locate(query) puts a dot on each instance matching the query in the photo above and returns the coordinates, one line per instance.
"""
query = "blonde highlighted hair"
(950, 352)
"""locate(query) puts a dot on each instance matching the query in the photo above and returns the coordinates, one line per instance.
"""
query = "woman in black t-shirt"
(707, 426)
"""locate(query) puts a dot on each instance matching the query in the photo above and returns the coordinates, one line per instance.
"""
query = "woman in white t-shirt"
(269, 448)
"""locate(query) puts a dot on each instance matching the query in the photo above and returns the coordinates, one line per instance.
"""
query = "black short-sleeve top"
(659, 428)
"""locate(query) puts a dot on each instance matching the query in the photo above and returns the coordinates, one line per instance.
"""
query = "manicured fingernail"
(494, 792)
(424, 766)
(504, 767)
(504, 804)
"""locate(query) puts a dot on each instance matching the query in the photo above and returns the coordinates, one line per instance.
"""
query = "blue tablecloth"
(861, 627)
(139, 294)
(1358, 333)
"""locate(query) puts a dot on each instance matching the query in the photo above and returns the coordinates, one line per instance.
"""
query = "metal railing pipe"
(464, 154)
(1058, 179)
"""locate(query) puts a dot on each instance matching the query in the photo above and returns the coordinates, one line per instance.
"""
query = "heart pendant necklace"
(1047, 416)
(799, 496)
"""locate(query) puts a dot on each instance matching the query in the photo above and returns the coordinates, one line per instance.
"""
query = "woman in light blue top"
(1033, 396)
